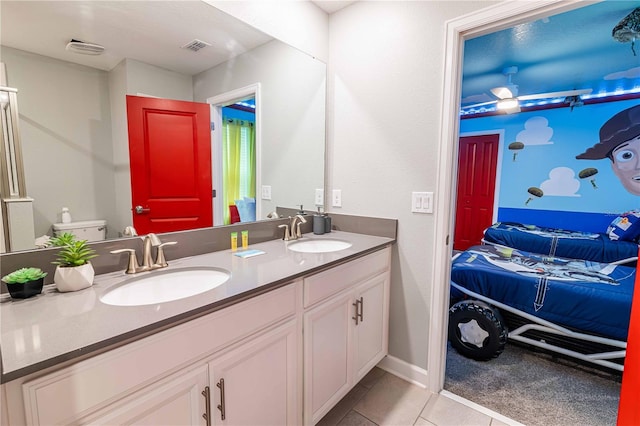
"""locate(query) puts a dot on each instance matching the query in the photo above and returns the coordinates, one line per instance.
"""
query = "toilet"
(90, 230)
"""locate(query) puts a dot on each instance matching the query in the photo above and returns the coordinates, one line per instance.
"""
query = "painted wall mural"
(569, 168)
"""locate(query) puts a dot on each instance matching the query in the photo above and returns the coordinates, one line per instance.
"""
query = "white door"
(327, 355)
(177, 400)
(371, 335)
(257, 382)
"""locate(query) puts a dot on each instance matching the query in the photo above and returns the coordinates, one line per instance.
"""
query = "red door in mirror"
(170, 162)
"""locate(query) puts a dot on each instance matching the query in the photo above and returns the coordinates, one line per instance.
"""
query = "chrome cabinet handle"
(207, 400)
(140, 210)
(361, 309)
(221, 407)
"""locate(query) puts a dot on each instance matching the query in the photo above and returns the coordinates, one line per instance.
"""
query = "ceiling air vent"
(196, 45)
(84, 48)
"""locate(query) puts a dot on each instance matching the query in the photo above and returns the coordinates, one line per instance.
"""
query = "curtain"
(238, 163)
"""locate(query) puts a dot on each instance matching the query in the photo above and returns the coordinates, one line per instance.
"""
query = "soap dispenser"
(318, 223)
(327, 222)
(65, 216)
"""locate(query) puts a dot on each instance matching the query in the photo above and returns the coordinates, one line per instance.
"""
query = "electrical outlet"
(336, 199)
(319, 197)
(266, 192)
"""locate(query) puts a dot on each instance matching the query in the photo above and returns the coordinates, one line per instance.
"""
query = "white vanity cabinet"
(167, 378)
(346, 329)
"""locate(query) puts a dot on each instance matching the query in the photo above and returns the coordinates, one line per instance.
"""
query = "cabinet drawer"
(97, 382)
(321, 286)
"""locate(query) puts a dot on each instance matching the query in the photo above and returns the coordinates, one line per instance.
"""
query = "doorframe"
(217, 103)
(491, 19)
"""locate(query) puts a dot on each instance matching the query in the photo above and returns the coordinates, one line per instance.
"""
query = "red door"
(170, 156)
(476, 186)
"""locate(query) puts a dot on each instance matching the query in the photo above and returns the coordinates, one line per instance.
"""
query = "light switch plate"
(266, 192)
(422, 202)
(336, 198)
(319, 197)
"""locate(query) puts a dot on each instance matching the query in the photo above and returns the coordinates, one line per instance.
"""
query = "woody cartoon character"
(620, 143)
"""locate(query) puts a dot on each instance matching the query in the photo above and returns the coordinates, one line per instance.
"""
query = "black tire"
(483, 340)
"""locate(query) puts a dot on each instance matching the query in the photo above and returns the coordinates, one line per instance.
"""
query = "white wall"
(66, 144)
(384, 97)
(292, 104)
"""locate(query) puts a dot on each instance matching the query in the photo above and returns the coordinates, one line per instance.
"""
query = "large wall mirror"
(72, 107)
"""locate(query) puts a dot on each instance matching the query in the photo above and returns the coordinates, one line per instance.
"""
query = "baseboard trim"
(404, 370)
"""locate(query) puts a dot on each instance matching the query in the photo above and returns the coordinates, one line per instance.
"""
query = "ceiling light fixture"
(508, 105)
(83, 48)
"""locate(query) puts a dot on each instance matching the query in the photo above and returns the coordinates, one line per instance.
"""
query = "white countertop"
(54, 327)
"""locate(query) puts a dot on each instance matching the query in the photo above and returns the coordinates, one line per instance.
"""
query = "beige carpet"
(536, 389)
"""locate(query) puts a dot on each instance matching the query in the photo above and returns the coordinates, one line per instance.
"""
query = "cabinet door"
(327, 355)
(371, 332)
(257, 383)
(177, 400)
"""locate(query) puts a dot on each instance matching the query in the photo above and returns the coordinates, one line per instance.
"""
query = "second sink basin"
(165, 286)
(318, 245)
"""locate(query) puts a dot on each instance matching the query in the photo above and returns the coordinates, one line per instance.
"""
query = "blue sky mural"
(551, 140)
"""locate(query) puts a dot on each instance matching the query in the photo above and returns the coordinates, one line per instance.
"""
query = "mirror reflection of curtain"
(238, 163)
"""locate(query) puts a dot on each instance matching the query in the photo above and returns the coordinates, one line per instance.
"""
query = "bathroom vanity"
(280, 342)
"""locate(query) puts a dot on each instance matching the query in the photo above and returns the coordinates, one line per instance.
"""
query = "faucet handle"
(286, 232)
(160, 260)
(132, 266)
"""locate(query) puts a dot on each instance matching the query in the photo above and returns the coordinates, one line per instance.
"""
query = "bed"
(575, 307)
(561, 243)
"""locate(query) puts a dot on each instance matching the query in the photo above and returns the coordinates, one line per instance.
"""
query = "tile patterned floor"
(384, 399)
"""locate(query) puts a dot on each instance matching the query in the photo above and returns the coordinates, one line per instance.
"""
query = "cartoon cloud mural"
(620, 143)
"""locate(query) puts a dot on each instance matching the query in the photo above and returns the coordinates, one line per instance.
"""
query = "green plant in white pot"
(74, 271)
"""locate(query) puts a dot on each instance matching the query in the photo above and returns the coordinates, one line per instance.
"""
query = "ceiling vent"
(83, 48)
(196, 45)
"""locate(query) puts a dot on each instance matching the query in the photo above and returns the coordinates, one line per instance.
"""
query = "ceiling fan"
(509, 101)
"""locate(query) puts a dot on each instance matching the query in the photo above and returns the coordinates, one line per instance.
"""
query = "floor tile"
(393, 401)
(343, 407)
(372, 377)
(444, 411)
(423, 422)
(355, 419)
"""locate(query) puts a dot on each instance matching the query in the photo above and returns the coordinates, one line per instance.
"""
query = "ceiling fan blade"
(549, 95)
(502, 92)
(478, 105)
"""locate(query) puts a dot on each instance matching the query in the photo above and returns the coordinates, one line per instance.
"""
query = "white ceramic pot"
(74, 278)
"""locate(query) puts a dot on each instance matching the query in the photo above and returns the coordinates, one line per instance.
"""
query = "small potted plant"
(74, 271)
(25, 282)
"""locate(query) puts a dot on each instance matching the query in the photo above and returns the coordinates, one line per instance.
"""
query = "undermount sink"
(165, 286)
(318, 245)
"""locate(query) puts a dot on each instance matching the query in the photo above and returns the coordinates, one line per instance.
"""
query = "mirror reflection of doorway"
(238, 159)
(236, 155)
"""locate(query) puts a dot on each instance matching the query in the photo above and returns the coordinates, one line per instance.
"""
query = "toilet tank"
(90, 230)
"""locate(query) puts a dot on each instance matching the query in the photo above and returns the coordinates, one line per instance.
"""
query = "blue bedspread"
(588, 296)
(561, 243)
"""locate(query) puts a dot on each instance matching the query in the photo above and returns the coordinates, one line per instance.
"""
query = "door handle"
(207, 400)
(221, 406)
(140, 210)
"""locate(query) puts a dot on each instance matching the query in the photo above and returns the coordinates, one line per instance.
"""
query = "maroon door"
(476, 187)
(170, 156)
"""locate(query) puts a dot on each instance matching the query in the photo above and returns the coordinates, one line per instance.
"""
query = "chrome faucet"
(292, 230)
(151, 240)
